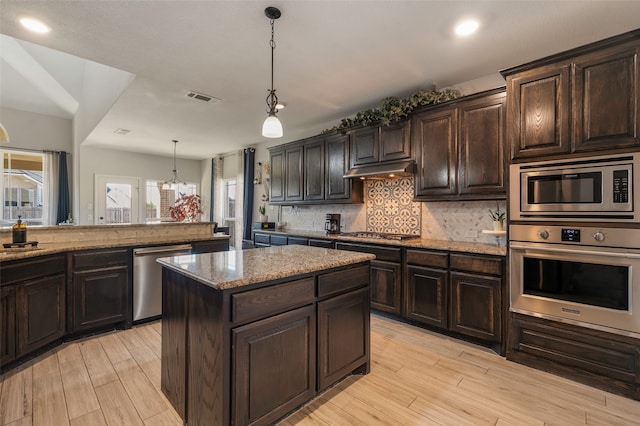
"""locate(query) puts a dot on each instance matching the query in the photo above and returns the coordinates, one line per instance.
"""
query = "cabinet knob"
(543, 234)
(598, 236)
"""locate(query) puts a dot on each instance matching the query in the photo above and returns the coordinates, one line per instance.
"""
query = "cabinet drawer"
(278, 240)
(480, 264)
(262, 238)
(297, 240)
(321, 243)
(256, 304)
(428, 258)
(25, 270)
(337, 282)
(390, 254)
(100, 258)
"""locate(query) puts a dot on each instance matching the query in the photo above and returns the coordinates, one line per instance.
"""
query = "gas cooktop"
(380, 235)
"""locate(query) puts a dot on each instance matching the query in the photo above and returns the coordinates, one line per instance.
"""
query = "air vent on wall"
(202, 97)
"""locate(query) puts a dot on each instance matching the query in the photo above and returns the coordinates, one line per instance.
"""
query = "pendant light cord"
(272, 98)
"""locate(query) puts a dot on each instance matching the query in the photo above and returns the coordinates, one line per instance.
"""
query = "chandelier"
(272, 128)
(174, 181)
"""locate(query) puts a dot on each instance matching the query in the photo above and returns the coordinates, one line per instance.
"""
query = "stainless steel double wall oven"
(575, 241)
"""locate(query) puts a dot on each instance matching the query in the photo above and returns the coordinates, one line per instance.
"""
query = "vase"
(264, 218)
(497, 225)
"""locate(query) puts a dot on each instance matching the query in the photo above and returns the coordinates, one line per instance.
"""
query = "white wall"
(28, 130)
(120, 163)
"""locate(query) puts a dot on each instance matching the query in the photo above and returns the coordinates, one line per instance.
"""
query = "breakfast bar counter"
(248, 336)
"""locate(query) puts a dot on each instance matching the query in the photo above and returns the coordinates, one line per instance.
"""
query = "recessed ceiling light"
(34, 25)
(466, 27)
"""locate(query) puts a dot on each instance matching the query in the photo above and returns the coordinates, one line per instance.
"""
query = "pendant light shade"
(272, 128)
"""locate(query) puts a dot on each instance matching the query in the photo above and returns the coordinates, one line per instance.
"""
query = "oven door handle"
(591, 252)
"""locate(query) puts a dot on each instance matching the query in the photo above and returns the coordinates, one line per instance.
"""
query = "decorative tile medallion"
(390, 207)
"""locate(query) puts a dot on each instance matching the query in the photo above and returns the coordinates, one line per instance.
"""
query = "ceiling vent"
(121, 131)
(202, 97)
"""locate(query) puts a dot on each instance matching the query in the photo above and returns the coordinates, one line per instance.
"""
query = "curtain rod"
(45, 151)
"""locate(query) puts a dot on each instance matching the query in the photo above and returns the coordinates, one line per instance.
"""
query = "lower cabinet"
(386, 286)
(274, 366)
(427, 295)
(7, 325)
(100, 290)
(475, 306)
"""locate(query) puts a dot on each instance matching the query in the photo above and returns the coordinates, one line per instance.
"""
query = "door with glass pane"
(116, 199)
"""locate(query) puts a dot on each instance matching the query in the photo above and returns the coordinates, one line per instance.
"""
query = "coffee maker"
(332, 223)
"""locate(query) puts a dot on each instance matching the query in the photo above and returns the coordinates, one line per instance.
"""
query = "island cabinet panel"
(259, 303)
(40, 312)
(7, 325)
(274, 366)
(342, 348)
(314, 169)
(427, 295)
(605, 95)
(539, 112)
(341, 281)
(100, 288)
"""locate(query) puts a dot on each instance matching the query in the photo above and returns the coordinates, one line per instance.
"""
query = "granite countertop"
(237, 268)
(424, 243)
(52, 248)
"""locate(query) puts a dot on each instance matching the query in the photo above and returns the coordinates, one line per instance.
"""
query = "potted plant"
(262, 210)
(186, 209)
(498, 218)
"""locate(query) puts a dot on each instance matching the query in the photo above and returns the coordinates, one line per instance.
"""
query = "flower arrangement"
(187, 208)
(497, 216)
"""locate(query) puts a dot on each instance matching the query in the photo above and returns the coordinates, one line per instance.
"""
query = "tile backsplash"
(388, 207)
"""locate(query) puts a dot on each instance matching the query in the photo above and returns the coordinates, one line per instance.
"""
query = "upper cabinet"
(460, 149)
(311, 171)
(374, 144)
(578, 101)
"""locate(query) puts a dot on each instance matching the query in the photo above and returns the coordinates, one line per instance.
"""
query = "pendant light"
(174, 181)
(272, 128)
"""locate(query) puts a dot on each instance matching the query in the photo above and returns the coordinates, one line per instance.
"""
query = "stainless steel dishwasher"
(147, 278)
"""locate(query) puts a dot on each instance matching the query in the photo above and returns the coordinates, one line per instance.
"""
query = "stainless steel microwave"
(588, 189)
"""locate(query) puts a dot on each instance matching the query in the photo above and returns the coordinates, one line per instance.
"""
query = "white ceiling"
(333, 58)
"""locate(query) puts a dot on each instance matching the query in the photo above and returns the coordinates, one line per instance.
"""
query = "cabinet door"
(277, 176)
(427, 295)
(605, 96)
(395, 141)
(482, 167)
(297, 240)
(539, 112)
(40, 313)
(7, 325)
(320, 243)
(293, 174)
(364, 146)
(434, 134)
(386, 286)
(274, 366)
(337, 188)
(343, 338)
(476, 306)
(314, 170)
(100, 297)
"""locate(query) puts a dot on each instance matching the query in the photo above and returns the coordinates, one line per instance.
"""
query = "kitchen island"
(248, 336)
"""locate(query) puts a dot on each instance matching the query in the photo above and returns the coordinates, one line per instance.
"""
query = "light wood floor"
(417, 378)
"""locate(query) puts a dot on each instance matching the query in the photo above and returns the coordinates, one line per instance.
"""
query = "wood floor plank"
(94, 418)
(49, 406)
(130, 338)
(98, 365)
(150, 363)
(16, 397)
(142, 393)
(114, 348)
(151, 338)
(78, 388)
(165, 418)
(25, 421)
(116, 406)
(157, 326)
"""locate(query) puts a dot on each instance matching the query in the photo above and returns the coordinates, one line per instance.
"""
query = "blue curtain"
(212, 192)
(64, 201)
(247, 212)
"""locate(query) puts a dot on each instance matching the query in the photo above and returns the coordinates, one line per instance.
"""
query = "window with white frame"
(21, 185)
(158, 200)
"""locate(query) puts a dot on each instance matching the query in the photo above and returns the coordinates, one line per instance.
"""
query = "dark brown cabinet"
(314, 242)
(314, 169)
(274, 363)
(386, 275)
(277, 183)
(460, 149)
(427, 295)
(100, 290)
(337, 163)
(7, 325)
(209, 246)
(375, 144)
(578, 101)
(294, 185)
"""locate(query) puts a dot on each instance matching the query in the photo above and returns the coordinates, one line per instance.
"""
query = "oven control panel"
(572, 235)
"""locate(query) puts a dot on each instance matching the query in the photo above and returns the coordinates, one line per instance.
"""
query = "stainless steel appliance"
(380, 235)
(589, 188)
(147, 279)
(589, 276)
(332, 223)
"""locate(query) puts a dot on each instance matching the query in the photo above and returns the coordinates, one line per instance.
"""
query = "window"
(22, 187)
(230, 188)
(159, 200)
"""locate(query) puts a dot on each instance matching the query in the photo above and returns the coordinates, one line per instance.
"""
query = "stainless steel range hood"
(383, 170)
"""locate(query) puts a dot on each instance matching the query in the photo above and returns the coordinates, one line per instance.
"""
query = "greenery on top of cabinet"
(394, 109)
